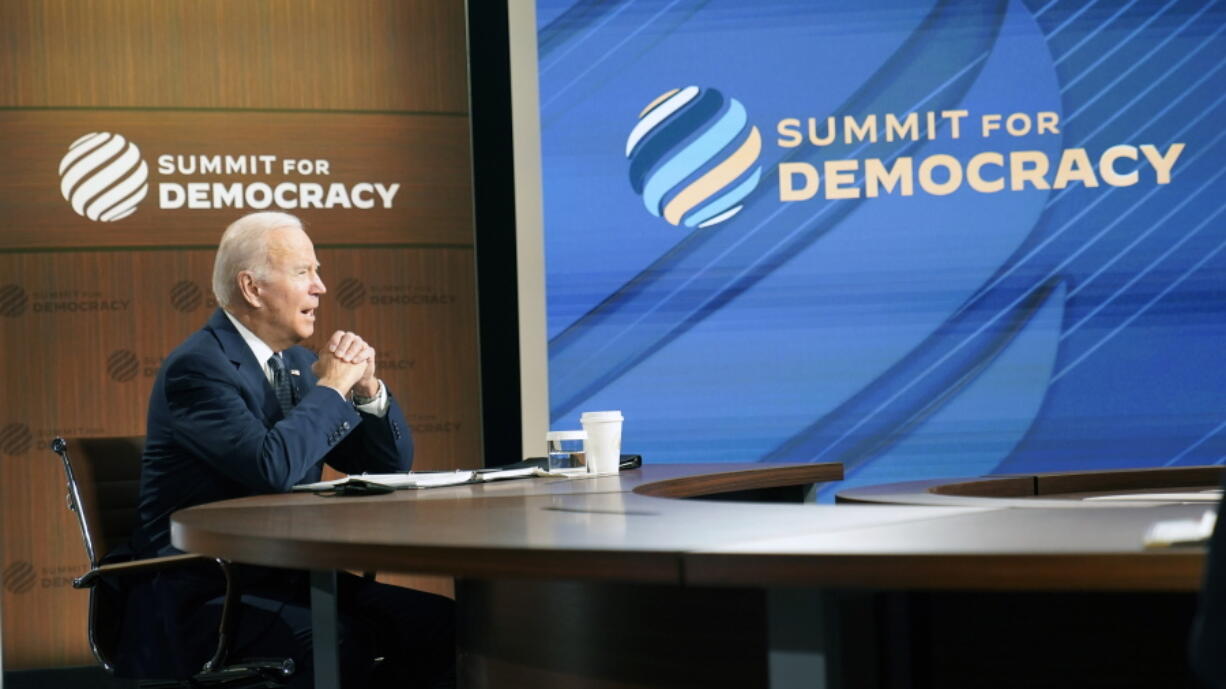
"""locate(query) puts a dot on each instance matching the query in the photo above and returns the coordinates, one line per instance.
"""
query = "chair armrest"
(229, 603)
(153, 564)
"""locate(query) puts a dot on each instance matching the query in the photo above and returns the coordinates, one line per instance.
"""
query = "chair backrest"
(103, 484)
(104, 474)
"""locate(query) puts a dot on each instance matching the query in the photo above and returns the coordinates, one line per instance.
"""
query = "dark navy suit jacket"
(215, 431)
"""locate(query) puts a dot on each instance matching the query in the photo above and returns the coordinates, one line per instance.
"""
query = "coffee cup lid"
(601, 416)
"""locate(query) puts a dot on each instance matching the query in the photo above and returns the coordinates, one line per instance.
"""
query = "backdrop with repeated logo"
(132, 132)
(921, 239)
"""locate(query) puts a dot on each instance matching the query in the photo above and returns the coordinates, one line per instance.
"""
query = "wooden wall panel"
(401, 55)
(89, 309)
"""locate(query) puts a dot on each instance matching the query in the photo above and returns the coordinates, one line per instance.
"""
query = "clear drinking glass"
(566, 450)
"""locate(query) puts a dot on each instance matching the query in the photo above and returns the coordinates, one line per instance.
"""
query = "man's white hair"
(244, 246)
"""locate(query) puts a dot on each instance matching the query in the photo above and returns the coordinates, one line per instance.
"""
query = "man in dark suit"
(241, 409)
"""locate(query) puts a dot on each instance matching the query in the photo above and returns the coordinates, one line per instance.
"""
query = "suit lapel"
(298, 359)
(249, 370)
(294, 368)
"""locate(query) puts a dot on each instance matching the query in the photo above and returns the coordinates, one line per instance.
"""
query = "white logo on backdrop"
(103, 176)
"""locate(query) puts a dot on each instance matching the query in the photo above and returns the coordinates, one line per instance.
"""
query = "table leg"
(811, 492)
(325, 640)
(801, 652)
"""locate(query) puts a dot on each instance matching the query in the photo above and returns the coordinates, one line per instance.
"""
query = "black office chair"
(103, 490)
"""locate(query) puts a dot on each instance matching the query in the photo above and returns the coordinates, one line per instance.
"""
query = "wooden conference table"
(548, 568)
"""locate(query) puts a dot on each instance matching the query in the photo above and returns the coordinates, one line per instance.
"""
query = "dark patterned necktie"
(281, 383)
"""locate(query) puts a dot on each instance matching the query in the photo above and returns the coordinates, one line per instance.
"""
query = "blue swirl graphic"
(697, 138)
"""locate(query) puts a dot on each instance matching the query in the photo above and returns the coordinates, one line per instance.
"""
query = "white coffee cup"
(604, 440)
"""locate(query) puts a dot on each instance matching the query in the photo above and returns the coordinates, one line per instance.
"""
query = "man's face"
(289, 294)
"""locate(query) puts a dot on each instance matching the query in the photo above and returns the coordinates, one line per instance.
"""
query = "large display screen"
(920, 239)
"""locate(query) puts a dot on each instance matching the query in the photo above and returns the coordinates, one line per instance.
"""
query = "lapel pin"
(294, 372)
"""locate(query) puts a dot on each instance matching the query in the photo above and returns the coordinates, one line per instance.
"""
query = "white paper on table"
(1213, 495)
(431, 479)
(412, 479)
(1181, 531)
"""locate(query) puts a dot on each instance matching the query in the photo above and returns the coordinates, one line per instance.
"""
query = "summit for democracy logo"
(694, 156)
(105, 178)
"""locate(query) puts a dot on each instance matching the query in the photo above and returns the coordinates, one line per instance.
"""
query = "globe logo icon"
(694, 156)
(351, 293)
(122, 365)
(103, 177)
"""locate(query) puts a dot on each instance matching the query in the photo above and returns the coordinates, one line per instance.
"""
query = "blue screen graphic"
(923, 240)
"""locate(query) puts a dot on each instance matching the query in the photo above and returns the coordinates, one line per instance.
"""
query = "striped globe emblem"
(185, 296)
(103, 176)
(20, 577)
(13, 300)
(15, 439)
(694, 156)
(351, 293)
(122, 365)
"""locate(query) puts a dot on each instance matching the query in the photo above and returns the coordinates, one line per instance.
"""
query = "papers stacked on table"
(426, 479)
